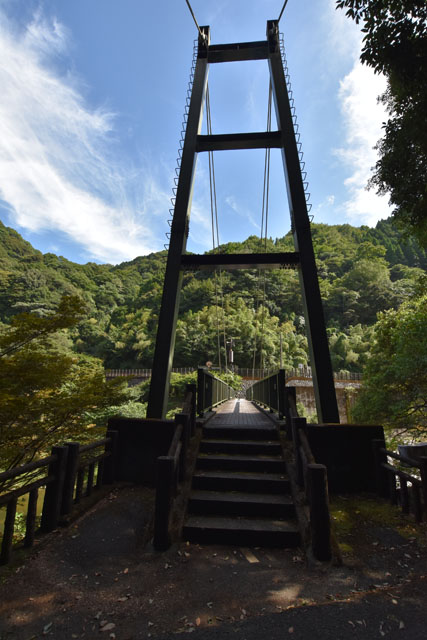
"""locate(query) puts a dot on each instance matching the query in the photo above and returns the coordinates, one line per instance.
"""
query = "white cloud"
(362, 119)
(242, 211)
(343, 36)
(55, 169)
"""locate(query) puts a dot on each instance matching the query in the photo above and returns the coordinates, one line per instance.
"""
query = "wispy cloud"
(242, 211)
(56, 166)
(362, 118)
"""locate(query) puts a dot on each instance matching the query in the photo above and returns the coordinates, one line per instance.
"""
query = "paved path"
(100, 578)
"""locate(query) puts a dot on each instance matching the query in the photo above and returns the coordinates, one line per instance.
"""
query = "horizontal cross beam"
(238, 51)
(234, 141)
(239, 261)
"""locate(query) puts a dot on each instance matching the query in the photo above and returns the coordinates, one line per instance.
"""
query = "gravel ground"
(101, 578)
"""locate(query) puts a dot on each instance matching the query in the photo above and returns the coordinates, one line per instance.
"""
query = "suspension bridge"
(242, 463)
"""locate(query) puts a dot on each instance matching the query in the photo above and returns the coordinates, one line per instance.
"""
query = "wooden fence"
(396, 483)
(313, 480)
(172, 469)
(71, 472)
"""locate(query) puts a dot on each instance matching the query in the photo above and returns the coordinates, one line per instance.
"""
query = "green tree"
(395, 44)
(45, 389)
(394, 391)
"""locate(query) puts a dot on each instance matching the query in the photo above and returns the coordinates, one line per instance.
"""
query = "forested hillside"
(361, 270)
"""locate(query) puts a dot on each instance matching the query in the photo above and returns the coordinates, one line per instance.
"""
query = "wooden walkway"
(239, 412)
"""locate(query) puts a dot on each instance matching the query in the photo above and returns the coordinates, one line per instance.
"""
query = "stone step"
(240, 432)
(241, 531)
(241, 446)
(262, 464)
(236, 503)
(241, 481)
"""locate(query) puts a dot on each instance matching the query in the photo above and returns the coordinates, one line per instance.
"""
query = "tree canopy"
(395, 44)
(46, 390)
(394, 391)
(361, 271)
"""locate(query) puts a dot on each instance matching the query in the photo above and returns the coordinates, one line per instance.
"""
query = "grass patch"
(354, 516)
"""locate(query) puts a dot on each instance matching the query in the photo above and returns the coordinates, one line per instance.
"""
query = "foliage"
(178, 384)
(229, 377)
(362, 271)
(46, 389)
(394, 391)
(395, 44)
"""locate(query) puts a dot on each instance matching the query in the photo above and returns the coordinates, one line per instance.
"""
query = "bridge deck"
(239, 412)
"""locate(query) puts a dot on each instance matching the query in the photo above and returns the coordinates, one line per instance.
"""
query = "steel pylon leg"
(323, 379)
(165, 342)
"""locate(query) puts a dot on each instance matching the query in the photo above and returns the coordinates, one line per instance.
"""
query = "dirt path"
(100, 578)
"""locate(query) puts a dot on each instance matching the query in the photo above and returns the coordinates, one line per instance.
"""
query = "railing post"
(319, 511)
(298, 423)
(9, 524)
(53, 494)
(31, 519)
(191, 388)
(281, 393)
(162, 539)
(423, 470)
(110, 466)
(208, 392)
(381, 475)
(70, 477)
(200, 392)
(184, 420)
(290, 393)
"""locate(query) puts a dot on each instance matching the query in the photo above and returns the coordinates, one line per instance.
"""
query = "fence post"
(30, 522)
(162, 539)
(423, 470)
(9, 524)
(110, 465)
(208, 384)
(290, 392)
(281, 393)
(298, 423)
(53, 494)
(319, 511)
(191, 388)
(70, 477)
(381, 475)
(184, 420)
(200, 392)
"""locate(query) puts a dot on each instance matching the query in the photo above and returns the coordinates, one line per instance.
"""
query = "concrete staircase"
(240, 491)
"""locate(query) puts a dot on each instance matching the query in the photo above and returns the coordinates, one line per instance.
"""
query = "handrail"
(211, 391)
(26, 468)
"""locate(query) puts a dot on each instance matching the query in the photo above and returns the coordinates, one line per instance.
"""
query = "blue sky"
(93, 93)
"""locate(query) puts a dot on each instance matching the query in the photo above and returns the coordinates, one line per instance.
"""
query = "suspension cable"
(283, 8)
(202, 35)
(266, 196)
(263, 240)
(215, 236)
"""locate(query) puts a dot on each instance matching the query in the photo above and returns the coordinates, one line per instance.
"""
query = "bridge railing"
(172, 469)
(71, 472)
(271, 393)
(211, 391)
(312, 479)
(396, 483)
